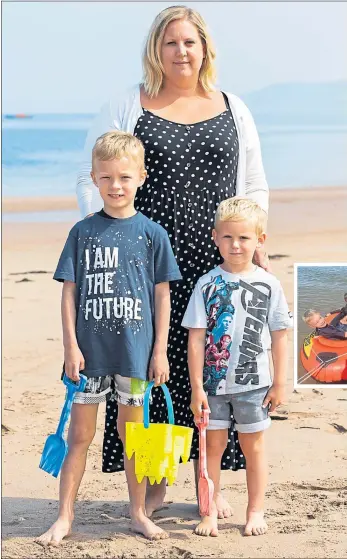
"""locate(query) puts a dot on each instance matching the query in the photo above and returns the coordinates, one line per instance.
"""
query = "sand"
(35, 204)
(307, 493)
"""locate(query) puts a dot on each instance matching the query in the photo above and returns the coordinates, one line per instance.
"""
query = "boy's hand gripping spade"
(56, 448)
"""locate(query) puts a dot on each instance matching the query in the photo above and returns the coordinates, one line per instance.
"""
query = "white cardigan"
(122, 113)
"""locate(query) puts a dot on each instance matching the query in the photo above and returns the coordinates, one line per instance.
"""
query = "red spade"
(206, 487)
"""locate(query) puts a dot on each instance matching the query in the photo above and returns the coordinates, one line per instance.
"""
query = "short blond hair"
(118, 144)
(242, 209)
(309, 314)
(153, 71)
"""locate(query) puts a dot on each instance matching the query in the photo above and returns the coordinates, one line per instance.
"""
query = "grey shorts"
(126, 391)
(249, 415)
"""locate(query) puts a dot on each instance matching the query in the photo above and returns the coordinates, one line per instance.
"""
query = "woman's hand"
(261, 259)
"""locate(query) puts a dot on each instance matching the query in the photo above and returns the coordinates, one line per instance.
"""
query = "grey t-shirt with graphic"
(116, 264)
(238, 313)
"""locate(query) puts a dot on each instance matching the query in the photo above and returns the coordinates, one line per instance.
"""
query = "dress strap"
(226, 100)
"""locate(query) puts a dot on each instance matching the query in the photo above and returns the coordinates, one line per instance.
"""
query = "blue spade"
(56, 447)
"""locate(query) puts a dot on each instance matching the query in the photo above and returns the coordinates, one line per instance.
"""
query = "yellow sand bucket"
(158, 447)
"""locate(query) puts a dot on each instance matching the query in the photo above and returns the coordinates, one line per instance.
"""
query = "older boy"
(116, 267)
(254, 301)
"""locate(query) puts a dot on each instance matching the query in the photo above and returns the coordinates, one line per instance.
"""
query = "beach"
(307, 444)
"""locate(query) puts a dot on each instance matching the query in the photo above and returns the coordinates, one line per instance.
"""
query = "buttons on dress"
(188, 165)
(176, 208)
(191, 225)
(187, 184)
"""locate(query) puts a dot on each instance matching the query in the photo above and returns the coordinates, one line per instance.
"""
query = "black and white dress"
(191, 169)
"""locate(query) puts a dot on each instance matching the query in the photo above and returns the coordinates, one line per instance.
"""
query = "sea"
(321, 288)
(41, 156)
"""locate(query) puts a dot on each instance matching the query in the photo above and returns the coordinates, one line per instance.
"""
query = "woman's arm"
(261, 257)
(103, 122)
(256, 186)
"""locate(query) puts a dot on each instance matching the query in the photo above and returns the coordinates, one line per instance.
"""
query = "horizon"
(273, 85)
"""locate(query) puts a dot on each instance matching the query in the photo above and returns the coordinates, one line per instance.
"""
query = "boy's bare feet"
(208, 525)
(255, 524)
(142, 524)
(224, 510)
(57, 532)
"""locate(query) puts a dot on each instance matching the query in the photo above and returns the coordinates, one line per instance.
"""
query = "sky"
(70, 56)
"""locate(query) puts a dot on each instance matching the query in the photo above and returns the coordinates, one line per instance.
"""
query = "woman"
(201, 147)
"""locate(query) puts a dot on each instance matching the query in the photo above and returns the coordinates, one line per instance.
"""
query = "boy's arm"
(337, 335)
(159, 365)
(196, 360)
(73, 358)
(279, 351)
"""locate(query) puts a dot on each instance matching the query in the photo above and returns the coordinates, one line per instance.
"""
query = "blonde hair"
(309, 314)
(241, 209)
(117, 144)
(153, 70)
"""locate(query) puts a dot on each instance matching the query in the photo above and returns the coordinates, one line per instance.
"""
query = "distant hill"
(300, 103)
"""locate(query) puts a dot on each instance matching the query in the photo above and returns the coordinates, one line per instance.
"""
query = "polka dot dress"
(191, 169)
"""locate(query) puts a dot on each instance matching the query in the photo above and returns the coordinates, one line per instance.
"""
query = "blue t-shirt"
(116, 264)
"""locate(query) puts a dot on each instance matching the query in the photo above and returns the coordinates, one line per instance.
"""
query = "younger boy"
(116, 267)
(315, 320)
(240, 383)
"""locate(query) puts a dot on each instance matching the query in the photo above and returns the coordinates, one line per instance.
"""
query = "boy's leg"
(224, 510)
(216, 442)
(253, 447)
(81, 433)
(155, 495)
(134, 389)
(137, 491)
(251, 421)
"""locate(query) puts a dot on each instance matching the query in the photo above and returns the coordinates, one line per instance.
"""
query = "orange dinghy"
(324, 360)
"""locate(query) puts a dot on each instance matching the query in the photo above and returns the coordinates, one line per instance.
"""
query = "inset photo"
(320, 328)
